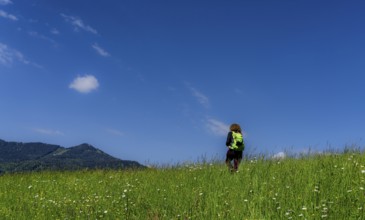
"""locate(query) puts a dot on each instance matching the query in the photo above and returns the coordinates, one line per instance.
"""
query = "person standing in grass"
(235, 146)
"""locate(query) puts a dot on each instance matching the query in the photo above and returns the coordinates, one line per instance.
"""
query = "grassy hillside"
(316, 187)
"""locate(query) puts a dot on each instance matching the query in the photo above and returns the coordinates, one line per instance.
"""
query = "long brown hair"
(235, 128)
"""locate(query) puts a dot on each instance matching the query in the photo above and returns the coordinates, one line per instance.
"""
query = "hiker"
(235, 147)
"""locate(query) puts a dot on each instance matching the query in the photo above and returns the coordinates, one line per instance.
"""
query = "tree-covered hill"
(18, 157)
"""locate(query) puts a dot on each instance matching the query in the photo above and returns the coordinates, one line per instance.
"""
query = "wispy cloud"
(9, 55)
(41, 36)
(200, 97)
(84, 84)
(217, 127)
(55, 31)
(115, 132)
(47, 131)
(100, 50)
(77, 23)
(6, 15)
(171, 88)
(238, 91)
(5, 2)
(280, 155)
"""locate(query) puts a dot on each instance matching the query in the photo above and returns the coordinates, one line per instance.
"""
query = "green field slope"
(314, 187)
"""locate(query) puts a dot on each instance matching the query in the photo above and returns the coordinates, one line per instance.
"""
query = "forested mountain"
(18, 157)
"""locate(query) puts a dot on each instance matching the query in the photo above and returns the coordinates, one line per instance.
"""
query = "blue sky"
(161, 81)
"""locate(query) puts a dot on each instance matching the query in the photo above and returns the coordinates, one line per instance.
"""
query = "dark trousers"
(234, 155)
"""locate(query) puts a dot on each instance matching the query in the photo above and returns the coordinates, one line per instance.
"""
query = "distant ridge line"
(37, 156)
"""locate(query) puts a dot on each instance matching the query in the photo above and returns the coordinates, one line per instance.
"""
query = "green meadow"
(327, 186)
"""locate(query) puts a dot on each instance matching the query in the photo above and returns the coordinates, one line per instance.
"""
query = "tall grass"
(314, 187)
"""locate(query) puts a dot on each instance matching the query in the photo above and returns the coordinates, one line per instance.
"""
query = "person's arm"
(229, 139)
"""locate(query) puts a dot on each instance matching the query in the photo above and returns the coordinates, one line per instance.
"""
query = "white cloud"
(5, 2)
(4, 14)
(42, 37)
(171, 88)
(8, 55)
(217, 127)
(238, 91)
(55, 31)
(84, 84)
(48, 131)
(201, 98)
(115, 132)
(280, 155)
(78, 24)
(100, 50)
